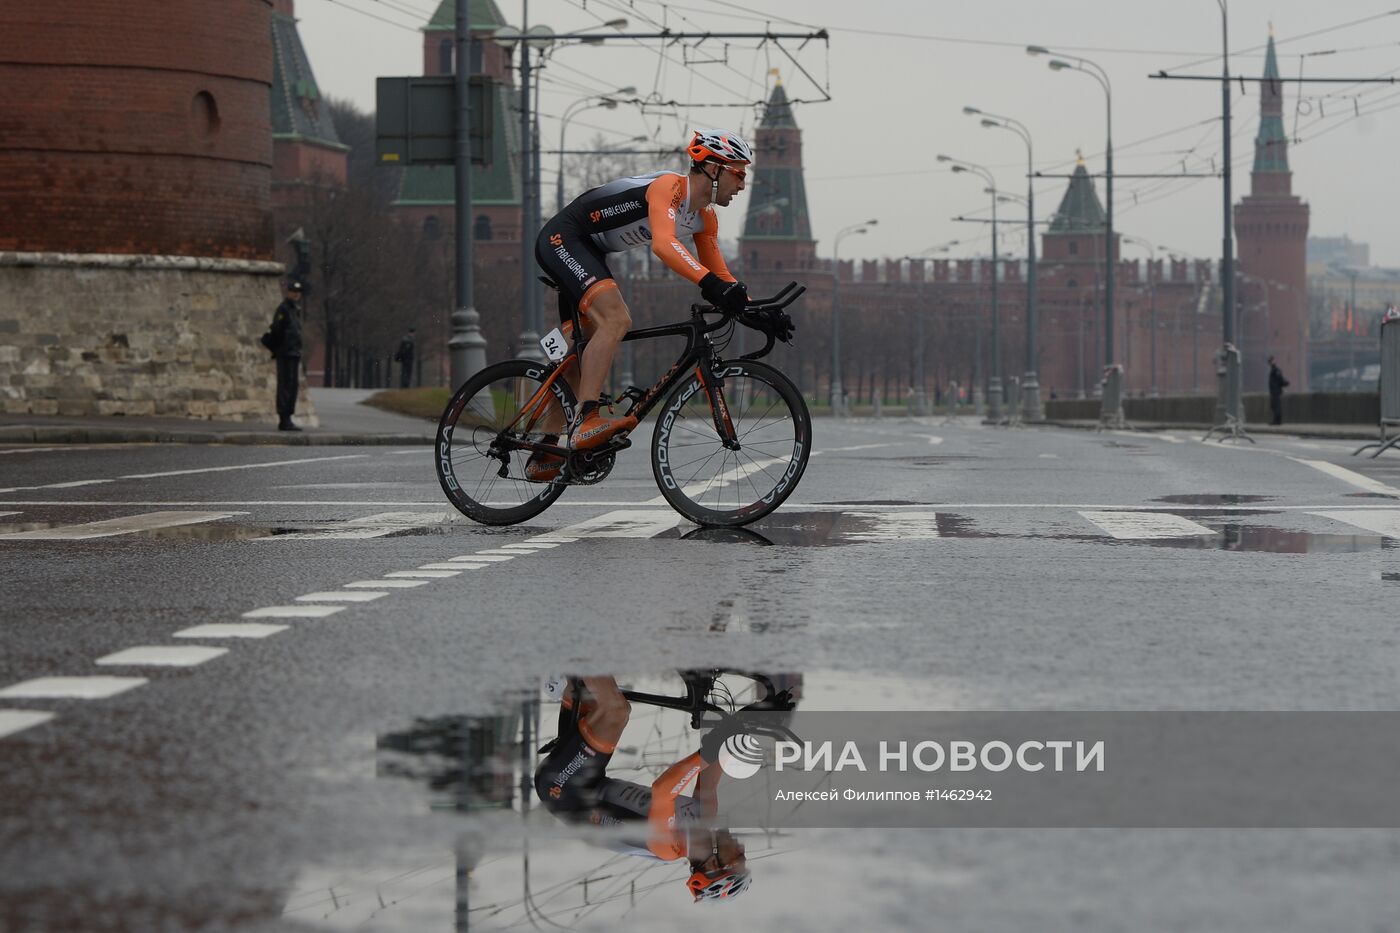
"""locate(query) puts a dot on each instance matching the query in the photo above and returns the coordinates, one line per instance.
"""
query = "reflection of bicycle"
(730, 444)
(715, 694)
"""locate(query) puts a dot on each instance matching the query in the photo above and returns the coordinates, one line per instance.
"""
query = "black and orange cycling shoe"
(596, 429)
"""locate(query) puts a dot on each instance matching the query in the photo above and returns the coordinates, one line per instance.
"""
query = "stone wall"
(167, 336)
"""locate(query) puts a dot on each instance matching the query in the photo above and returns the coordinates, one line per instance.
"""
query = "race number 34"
(554, 345)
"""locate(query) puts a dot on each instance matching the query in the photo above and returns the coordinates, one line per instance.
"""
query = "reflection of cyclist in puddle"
(574, 786)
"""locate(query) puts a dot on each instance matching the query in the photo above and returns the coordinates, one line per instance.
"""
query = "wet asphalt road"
(918, 566)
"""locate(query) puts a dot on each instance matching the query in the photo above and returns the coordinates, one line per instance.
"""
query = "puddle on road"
(834, 529)
(1262, 539)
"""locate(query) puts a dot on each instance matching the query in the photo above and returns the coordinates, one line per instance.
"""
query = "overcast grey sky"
(899, 74)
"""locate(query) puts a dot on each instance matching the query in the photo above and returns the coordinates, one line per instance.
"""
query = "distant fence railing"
(1362, 408)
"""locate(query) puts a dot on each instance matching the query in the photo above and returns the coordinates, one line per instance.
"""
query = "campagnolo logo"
(668, 421)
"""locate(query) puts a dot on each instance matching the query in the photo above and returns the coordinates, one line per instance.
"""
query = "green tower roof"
(1271, 143)
(298, 110)
(778, 113)
(1080, 210)
(482, 15)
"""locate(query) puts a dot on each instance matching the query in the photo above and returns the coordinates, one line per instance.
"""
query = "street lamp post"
(1151, 307)
(920, 372)
(837, 405)
(1031, 408)
(1075, 63)
(994, 398)
(606, 101)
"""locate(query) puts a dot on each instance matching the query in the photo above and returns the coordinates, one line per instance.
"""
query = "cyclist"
(573, 784)
(656, 210)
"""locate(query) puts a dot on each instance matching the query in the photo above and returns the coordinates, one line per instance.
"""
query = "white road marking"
(162, 656)
(527, 546)
(118, 526)
(895, 526)
(483, 557)
(292, 612)
(451, 565)
(72, 688)
(427, 574)
(385, 584)
(17, 720)
(1049, 456)
(465, 563)
(221, 469)
(835, 450)
(231, 630)
(1385, 523)
(1133, 526)
(498, 551)
(370, 526)
(2, 514)
(730, 475)
(626, 524)
(1348, 476)
(342, 596)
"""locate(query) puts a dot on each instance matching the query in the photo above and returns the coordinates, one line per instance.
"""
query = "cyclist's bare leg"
(553, 420)
(611, 320)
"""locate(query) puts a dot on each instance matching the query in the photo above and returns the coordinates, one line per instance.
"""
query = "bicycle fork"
(712, 378)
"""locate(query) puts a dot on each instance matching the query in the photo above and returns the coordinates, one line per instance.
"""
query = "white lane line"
(1348, 476)
(72, 688)
(342, 596)
(292, 612)
(835, 450)
(626, 524)
(426, 574)
(370, 526)
(118, 526)
(1133, 526)
(895, 526)
(222, 469)
(2, 514)
(483, 557)
(522, 546)
(17, 720)
(385, 584)
(162, 656)
(231, 630)
(499, 552)
(1385, 523)
(462, 563)
(451, 565)
(739, 471)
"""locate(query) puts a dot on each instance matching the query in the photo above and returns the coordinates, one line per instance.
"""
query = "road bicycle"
(730, 444)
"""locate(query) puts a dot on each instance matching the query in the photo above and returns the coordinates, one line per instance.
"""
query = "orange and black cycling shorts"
(575, 263)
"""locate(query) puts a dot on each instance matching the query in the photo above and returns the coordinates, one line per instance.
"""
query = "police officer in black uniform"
(285, 344)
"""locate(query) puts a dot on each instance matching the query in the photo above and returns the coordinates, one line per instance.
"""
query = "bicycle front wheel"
(711, 484)
(478, 459)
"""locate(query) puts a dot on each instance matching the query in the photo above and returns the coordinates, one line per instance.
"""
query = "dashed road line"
(162, 656)
(1135, 526)
(895, 526)
(17, 720)
(231, 630)
(386, 584)
(452, 565)
(370, 526)
(343, 596)
(625, 524)
(3, 514)
(425, 574)
(71, 688)
(292, 612)
(130, 524)
(219, 469)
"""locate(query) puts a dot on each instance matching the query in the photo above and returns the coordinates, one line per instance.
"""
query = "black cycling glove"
(726, 296)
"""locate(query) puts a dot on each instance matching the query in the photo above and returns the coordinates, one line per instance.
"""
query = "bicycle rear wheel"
(713, 485)
(478, 459)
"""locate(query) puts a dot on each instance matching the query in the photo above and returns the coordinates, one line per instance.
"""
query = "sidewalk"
(343, 421)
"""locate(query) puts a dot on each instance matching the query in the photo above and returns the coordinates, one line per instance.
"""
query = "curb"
(53, 434)
(1341, 434)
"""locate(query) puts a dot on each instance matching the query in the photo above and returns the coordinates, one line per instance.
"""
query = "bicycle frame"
(699, 349)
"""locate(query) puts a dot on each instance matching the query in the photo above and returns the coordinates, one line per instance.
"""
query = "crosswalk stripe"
(1382, 522)
(452, 565)
(72, 688)
(231, 630)
(385, 584)
(129, 524)
(425, 574)
(292, 612)
(895, 526)
(17, 720)
(1134, 526)
(370, 526)
(634, 523)
(162, 656)
(481, 557)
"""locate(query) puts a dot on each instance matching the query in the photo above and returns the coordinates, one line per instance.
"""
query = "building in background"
(138, 151)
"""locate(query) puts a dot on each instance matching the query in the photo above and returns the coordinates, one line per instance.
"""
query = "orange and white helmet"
(720, 885)
(719, 146)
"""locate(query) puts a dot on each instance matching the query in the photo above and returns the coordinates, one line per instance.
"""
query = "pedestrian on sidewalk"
(404, 357)
(1276, 387)
(284, 340)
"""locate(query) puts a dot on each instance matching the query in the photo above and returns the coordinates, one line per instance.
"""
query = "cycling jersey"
(642, 210)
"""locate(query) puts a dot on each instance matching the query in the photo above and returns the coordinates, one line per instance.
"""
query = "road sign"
(415, 120)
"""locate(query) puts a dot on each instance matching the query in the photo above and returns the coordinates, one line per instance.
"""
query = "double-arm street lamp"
(1031, 409)
(994, 383)
(606, 101)
(1073, 63)
(837, 404)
